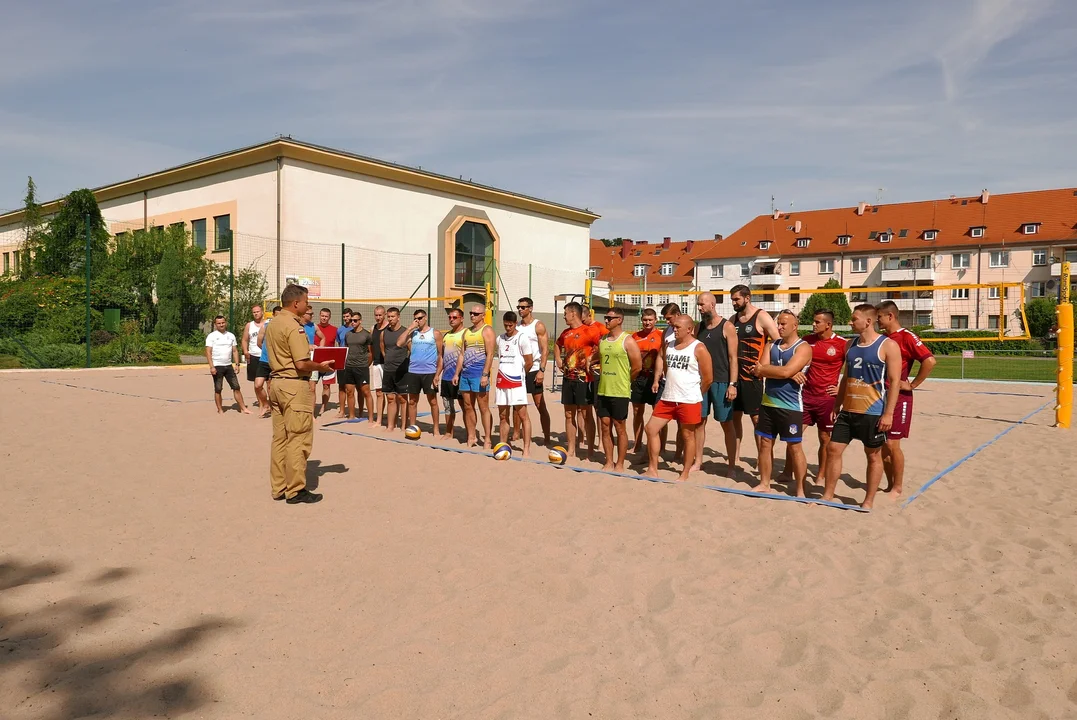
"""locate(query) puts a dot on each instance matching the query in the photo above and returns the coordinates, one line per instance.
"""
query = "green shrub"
(163, 352)
(101, 337)
(62, 355)
(836, 303)
(982, 346)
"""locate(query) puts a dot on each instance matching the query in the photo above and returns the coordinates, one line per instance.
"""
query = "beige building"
(984, 239)
(294, 210)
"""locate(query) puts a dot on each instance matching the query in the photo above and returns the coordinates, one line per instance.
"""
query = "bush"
(980, 345)
(834, 302)
(61, 356)
(163, 352)
(101, 337)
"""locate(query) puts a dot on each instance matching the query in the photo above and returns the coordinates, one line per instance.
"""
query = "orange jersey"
(649, 344)
(578, 345)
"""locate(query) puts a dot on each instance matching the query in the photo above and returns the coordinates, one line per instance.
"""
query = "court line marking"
(116, 392)
(629, 476)
(974, 453)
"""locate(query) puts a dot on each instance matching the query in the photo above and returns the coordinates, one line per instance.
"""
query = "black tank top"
(375, 345)
(749, 346)
(714, 340)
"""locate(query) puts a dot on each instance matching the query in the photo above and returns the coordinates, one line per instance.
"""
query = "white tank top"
(682, 374)
(252, 339)
(532, 335)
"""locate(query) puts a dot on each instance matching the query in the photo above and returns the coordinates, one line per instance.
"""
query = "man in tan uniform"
(290, 398)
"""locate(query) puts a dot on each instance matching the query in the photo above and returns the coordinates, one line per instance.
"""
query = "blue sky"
(680, 118)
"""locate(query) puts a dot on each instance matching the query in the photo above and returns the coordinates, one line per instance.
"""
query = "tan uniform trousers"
(293, 435)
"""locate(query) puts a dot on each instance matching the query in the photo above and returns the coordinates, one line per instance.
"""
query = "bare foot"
(608, 467)
(651, 471)
(683, 477)
(761, 488)
(619, 467)
(245, 411)
(695, 467)
(486, 445)
(867, 504)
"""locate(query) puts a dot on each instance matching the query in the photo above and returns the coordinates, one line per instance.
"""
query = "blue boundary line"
(360, 420)
(974, 453)
(629, 476)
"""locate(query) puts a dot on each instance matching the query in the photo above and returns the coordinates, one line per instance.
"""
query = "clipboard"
(339, 354)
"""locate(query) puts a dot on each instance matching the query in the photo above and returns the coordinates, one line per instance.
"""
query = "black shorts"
(856, 426)
(421, 383)
(449, 391)
(533, 388)
(225, 372)
(775, 423)
(749, 397)
(615, 408)
(252, 369)
(576, 392)
(395, 381)
(642, 393)
(263, 370)
(357, 376)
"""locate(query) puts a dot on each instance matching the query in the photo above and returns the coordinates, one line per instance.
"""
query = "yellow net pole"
(587, 286)
(1064, 406)
(489, 306)
(1002, 313)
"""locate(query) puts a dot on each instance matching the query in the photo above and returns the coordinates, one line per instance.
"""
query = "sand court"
(145, 570)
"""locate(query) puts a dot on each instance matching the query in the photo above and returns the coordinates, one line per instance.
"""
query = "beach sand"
(145, 571)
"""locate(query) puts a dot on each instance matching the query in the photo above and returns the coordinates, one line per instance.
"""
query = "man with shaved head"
(720, 338)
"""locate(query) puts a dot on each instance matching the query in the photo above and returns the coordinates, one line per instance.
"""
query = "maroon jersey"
(912, 349)
(827, 357)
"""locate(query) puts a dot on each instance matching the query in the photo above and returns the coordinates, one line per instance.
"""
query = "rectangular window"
(1000, 258)
(1038, 289)
(843, 239)
(959, 293)
(1039, 257)
(745, 269)
(592, 273)
(794, 297)
(923, 319)
(959, 322)
(619, 299)
(716, 271)
(859, 264)
(794, 267)
(198, 233)
(929, 234)
(719, 299)
(639, 270)
(177, 226)
(473, 255)
(684, 307)
(7, 265)
(764, 245)
(858, 296)
(826, 267)
(959, 261)
(977, 232)
(650, 301)
(120, 236)
(992, 322)
(222, 232)
(1030, 229)
(803, 242)
(992, 293)
(666, 269)
(663, 299)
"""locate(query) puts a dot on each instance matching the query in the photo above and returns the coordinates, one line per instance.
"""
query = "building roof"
(286, 147)
(1000, 216)
(619, 272)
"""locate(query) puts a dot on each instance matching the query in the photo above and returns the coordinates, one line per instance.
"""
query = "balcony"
(922, 304)
(908, 274)
(766, 280)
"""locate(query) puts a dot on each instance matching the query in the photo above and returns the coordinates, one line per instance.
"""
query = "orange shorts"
(687, 413)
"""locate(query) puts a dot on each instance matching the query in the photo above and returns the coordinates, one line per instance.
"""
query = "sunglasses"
(523, 307)
(610, 317)
(475, 313)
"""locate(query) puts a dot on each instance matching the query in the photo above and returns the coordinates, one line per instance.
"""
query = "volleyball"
(557, 455)
(502, 451)
(412, 432)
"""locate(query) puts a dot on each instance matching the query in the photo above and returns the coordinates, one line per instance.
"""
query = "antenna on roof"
(879, 195)
(771, 204)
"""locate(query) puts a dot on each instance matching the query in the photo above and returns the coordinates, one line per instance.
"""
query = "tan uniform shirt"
(287, 343)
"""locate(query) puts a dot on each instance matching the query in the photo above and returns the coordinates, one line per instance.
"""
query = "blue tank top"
(786, 393)
(265, 345)
(865, 390)
(424, 352)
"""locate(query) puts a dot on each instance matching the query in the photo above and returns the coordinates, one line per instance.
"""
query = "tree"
(1041, 316)
(186, 287)
(33, 229)
(834, 302)
(63, 245)
(611, 242)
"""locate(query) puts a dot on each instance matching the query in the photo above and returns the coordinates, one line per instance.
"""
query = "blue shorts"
(473, 385)
(715, 398)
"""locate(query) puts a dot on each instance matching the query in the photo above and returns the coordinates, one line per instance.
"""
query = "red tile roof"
(1001, 216)
(618, 271)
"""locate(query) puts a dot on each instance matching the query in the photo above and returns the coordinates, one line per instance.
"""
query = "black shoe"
(304, 496)
(279, 497)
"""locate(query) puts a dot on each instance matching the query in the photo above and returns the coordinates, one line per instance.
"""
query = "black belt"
(303, 379)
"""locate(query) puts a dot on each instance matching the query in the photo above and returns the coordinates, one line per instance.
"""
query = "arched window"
(474, 255)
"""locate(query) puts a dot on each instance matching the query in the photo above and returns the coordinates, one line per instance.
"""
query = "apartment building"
(1016, 237)
(639, 274)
